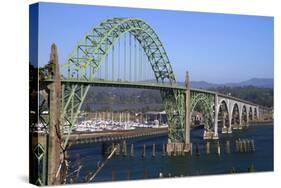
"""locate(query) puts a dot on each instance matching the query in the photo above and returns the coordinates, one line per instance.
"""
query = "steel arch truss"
(90, 53)
(206, 102)
(87, 57)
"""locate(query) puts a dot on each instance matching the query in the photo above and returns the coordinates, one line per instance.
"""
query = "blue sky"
(216, 48)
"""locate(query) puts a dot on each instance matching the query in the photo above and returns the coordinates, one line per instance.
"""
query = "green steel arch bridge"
(127, 53)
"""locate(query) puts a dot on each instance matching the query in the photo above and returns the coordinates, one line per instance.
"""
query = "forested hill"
(257, 95)
(256, 82)
(125, 98)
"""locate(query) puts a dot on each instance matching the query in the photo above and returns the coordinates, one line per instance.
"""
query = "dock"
(109, 136)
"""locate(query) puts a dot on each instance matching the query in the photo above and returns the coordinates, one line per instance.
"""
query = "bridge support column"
(248, 115)
(261, 114)
(240, 117)
(54, 141)
(229, 130)
(216, 135)
(182, 146)
(224, 128)
(187, 110)
(187, 114)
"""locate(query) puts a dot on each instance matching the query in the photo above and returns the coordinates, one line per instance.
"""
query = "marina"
(118, 121)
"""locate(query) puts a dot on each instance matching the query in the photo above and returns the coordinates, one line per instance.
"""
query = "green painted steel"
(174, 101)
(205, 102)
(82, 67)
(109, 83)
(92, 50)
(82, 70)
(41, 157)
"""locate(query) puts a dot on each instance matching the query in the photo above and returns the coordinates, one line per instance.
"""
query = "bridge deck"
(236, 99)
(124, 84)
(155, 86)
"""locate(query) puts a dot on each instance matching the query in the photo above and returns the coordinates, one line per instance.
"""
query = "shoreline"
(261, 122)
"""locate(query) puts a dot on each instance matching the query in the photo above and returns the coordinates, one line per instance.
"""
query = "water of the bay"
(124, 168)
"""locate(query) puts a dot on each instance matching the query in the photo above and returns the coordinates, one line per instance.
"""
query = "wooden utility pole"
(54, 138)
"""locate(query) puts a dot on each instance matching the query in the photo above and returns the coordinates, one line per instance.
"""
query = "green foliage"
(130, 98)
(151, 99)
(117, 96)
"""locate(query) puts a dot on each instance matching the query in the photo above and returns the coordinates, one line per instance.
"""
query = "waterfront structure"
(97, 61)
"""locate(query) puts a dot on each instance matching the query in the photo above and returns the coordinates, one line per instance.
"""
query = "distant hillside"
(122, 99)
(203, 85)
(107, 98)
(256, 82)
(257, 90)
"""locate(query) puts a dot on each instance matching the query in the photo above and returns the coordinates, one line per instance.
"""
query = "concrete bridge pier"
(216, 135)
(241, 126)
(235, 126)
(224, 128)
(240, 118)
(229, 129)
